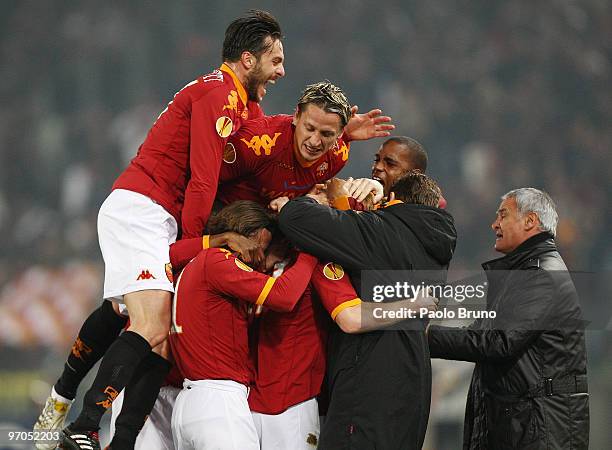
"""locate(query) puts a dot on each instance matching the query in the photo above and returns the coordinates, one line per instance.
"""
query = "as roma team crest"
(322, 169)
(224, 126)
(242, 265)
(169, 274)
(333, 271)
(229, 153)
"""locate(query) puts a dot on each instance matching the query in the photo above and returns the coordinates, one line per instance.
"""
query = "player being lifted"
(171, 181)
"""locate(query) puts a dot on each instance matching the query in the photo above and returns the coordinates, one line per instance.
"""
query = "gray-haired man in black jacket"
(529, 387)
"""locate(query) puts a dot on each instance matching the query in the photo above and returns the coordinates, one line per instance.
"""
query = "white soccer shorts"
(135, 234)
(213, 414)
(297, 428)
(156, 434)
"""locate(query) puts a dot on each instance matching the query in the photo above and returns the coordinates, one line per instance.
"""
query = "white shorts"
(156, 434)
(135, 234)
(296, 428)
(213, 414)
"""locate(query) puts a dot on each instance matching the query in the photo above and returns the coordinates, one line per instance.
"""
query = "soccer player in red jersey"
(171, 181)
(286, 155)
(209, 336)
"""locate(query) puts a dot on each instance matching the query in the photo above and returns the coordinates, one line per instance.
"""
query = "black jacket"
(380, 382)
(529, 389)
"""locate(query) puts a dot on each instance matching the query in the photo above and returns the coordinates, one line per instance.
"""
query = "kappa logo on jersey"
(112, 395)
(229, 153)
(333, 271)
(232, 101)
(145, 275)
(226, 252)
(242, 265)
(344, 150)
(224, 126)
(169, 273)
(322, 169)
(80, 349)
(264, 141)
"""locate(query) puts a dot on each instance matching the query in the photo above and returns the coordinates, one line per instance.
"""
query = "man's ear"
(296, 115)
(531, 221)
(248, 60)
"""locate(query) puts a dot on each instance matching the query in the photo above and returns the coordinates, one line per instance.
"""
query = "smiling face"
(391, 162)
(268, 68)
(316, 132)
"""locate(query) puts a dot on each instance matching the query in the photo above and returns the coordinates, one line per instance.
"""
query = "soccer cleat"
(51, 418)
(79, 440)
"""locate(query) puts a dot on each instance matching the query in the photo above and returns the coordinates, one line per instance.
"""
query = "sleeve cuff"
(342, 306)
(206, 241)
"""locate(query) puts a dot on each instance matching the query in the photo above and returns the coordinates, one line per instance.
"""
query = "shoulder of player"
(215, 85)
(269, 125)
(216, 255)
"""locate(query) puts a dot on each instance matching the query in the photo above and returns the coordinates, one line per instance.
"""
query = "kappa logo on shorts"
(145, 275)
(169, 273)
(333, 271)
(229, 153)
(224, 126)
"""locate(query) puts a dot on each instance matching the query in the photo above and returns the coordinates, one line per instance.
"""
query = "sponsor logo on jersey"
(232, 102)
(112, 394)
(344, 151)
(145, 275)
(333, 271)
(224, 126)
(265, 142)
(80, 349)
(229, 153)
(322, 169)
(242, 265)
(169, 273)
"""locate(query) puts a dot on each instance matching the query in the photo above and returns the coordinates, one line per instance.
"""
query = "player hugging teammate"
(243, 318)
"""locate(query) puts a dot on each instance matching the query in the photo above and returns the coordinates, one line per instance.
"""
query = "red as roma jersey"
(334, 288)
(178, 163)
(209, 315)
(259, 163)
(290, 356)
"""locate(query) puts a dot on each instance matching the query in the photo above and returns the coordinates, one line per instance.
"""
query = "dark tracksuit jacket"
(380, 382)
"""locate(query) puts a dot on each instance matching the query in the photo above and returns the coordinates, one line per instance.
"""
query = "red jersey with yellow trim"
(178, 163)
(209, 337)
(334, 288)
(290, 356)
(261, 164)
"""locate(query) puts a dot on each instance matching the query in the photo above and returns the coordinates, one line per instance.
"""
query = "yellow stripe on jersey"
(265, 291)
(342, 306)
(206, 241)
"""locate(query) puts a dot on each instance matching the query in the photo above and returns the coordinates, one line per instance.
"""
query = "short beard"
(254, 79)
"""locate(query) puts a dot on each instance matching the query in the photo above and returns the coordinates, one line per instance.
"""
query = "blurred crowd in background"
(502, 94)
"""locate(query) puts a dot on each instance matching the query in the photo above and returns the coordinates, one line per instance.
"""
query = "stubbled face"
(268, 68)
(316, 132)
(276, 253)
(391, 162)
(511, 229)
